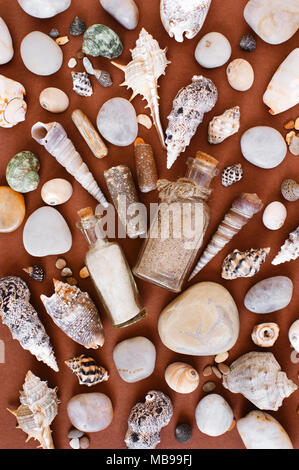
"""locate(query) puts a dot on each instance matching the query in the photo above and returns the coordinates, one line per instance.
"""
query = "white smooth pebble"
(213, 415)
(124, 11)
(90, 412)
(135, 358)
(263, 146)
(44, 8)
(72, 63)
(6, 47)
(213, 50)
(54, 100)
(274, 215)
(40, 54)
(117, 122)
(269, 295)
(240, 74)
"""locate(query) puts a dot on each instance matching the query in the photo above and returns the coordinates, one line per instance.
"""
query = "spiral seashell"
(12, 105)
(87, 370)
(289, 250)
(22, 172)
(181, 377)
(81, 84)
(103, 77)
(232, 174)
(223, 126)
(243, 263)
(265, 334)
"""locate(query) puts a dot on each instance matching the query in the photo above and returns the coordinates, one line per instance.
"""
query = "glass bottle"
(111, 274)
(177, 230)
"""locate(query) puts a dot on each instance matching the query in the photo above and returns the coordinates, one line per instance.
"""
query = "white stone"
(263, 146)
(44, 8)
(269, 295)
(213, 50)
(90, 412)
(40, 54)
(213, 415)
(54, 100)
(72, 63)
(240, 74)
(46, 233)
(294, 335)
(274, 215)
(117, 122)
(202, 321)
(124, 11)
(135, 358)
(6, 47)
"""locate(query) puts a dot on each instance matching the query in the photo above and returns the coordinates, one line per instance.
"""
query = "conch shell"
(189, 107)
(75, 313)
(289, 250)
(222, 127)
(54, 138)
(265, 334)
(258, 376)
(12, 105)
(87, 370)
(243, 263)
(181, 377)
(22, 320)
(39, 406)
(142, 74)
(282, 92)
(181, 17)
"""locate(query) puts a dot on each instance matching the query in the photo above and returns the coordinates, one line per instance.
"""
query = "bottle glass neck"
(91, 230)
(200, 172)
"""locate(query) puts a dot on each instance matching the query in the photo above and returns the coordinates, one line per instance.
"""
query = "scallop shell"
(243, 263)
(289, 250)
(87, 370)
(213, 415)
(142, 74)
(39, 407)
(223, 126)
(183, 17)
(232, 174)
(294, 335)
(181, 377)
(56, 191)
(265, 334)
(12, 105)
(81, 84)
(54, 100)
(258, 376)
(75, 313)
(22, 172)
(22, 320)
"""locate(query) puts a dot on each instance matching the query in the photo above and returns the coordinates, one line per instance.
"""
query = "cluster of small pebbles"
(218, 369)
(78, 440)
(292, 138)
(65, 271)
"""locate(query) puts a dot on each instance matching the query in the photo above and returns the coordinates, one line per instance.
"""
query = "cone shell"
(289, 250)
(243, 263)
(181, 377)
(258, 377)
(75, 313)
(12, 105)
(87, 370)
(222, 127)
(265, 334)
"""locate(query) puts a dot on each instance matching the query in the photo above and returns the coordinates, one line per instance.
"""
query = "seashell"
(181, 377)
(54, 138)
(263, 146)
(144, 120)
(90, 412)
(213, 50)
(147, 419)
(269, 295)
(265, 334)
(44, 8)
(258, 377)
(56, 191)
(124, 11)
(89, 134)
(275, 21)
(290, 190)
(72, 63)
(243, 263)
(243, 209)
(77, 27)
(99, 40)
(181, 18)
(213, 415)
(232, 174)
(12, 105)
(148, 61)
(282, 93)
(75, 314)
(274, 215)
(289, 250)
(6, 47)
(294, 335)
(18, 314)
(54, 100)
(240, 75)
(248, 43)
(22, 172)
(260, 430)
(117, 122)
(103, 77)
(40, 54)
(189, 107)
(222, 127)
(81, 84)
(39, 407)
(36, 272)
(87, 370)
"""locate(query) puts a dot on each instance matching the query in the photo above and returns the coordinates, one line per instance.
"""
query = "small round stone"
(224, 368)
(54, 33)
(12, 209)
(71, 281)
(263, 146)
(90, 412)
(240, 75)
(221, 357)
(65, 272)
(207, 371)
(117, 122)
(217, 372)
(84, 442)
(84, 273)
(209, 387)
(183, 433)
(73, 433)
(248, 43)
(135, 358)
(72, 63)
(77, 27)
(75, 443)
(60, 263)
(213, 50)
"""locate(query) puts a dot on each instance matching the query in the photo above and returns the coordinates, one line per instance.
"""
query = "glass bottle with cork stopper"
(110, 272)
(177, 230)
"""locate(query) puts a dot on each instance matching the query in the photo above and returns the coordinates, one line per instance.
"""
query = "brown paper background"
(227, 18)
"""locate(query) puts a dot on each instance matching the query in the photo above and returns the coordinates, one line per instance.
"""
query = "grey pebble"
(75, 433)
(183, 433)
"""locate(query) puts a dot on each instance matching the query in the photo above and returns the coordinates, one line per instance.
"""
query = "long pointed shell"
(22, 320)
(183, 17)
(87, 370)
(54, 138)
(243, 209)
(89, 134)
(243, 263)
(258, 376)
(223, 126)
(142, 74)
(75, 313)
(189, 107)
(289, 250)
(39, 406)
(12, 105)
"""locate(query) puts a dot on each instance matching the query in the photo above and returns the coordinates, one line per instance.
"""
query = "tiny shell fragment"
(72, 63)
(84, 273)
(62, 40)
(265, 334)
(289, 137)
(144, 120)
(289, 125)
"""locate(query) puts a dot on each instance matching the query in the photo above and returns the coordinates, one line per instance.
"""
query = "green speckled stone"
(99, 40)
(22, 172)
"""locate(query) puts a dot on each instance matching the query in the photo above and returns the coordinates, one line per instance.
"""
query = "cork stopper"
(85, 213)
(139, 141)
(205, 157)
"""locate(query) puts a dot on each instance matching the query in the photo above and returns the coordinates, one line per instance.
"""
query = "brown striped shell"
(243, 263)
(181, 377)
(87, 370)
